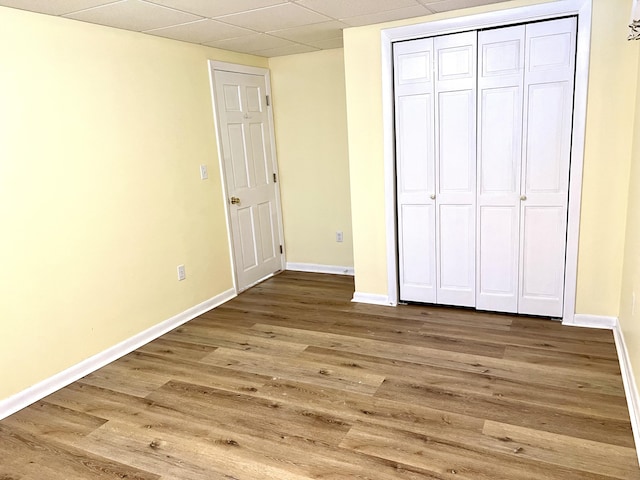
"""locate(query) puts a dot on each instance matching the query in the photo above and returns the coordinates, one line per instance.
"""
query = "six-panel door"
(249, 169)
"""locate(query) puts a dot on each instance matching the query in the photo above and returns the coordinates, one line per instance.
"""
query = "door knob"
(523, 197)
(432, 196)
(235, 200)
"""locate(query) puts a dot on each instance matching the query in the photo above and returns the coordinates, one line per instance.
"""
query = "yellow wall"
(607, 156)
(311, 138)
(630, 314)
(101, 135)
(609, 138)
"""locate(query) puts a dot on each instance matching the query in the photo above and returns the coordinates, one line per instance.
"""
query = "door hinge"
(275, 178)
(268, 101)
(281, 251)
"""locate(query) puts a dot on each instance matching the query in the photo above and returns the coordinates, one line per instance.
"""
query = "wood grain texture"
(293, 381)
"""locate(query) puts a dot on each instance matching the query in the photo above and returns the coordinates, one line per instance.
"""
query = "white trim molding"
(372, 299)
(46, 387)
(319, 268)
(592, 321)
(580, 8)
(630, 386)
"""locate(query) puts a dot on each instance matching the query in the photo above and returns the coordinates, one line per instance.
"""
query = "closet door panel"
(415, 169)
(547, 169)
(498, 247)
(541, 288)
(457, 144)
(548, 109)
(455, 90)
(417, 256)
(500, 97)
(457, 255)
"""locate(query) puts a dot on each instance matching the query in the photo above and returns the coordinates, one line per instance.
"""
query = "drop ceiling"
(268, 28)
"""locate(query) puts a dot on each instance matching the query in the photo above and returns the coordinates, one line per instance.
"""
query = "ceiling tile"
(328, 43)
(133, 15)
(380, 17)
(216, 8)
(275, 18)
(447, 5)
(350, 8)
(250, 43)
(311, 33)
(290, 50)
(53, 7)
(201, 31)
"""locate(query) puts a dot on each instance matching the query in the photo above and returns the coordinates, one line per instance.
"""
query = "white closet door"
(415, 169)
(455, 89)
(548, 106)
(500, 95)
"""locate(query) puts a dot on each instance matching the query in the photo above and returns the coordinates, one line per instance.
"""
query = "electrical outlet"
(204, 173)
(338, 236)
(181, 273)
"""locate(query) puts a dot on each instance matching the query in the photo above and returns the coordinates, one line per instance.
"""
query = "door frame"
(545, 11)
(214, 66)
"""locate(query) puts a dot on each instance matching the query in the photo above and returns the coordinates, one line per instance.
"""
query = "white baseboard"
(372, 298)
(46, 387)
(593, 321)
(630, 386)
(317, 268)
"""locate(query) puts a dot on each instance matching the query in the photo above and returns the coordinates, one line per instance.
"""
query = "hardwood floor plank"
(577, 361)
(293, 381)
(559, 377)
(180, 349)
(548, 419)
(485, 385)
(594, 457)
(52, 461)
(452, 461)
(47, 420)
(318, 373)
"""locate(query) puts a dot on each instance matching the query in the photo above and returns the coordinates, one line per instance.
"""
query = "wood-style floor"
(293, 381)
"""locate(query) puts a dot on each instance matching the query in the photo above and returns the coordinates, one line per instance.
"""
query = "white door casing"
(500, 95)
(582, 9)
(245, 136)
(548, 109)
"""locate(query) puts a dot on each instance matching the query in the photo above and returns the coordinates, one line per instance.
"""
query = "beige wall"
(101, 135)
(606, 165)
(609, 138)
(630, 313)
(311, 139)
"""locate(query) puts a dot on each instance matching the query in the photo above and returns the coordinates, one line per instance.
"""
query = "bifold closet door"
(455, 90)
(484, 225)
(435, 97)
(500, 97)
(415, 165)
(548, 112)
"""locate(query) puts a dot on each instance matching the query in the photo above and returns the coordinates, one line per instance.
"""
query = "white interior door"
(244, 124)
(455, 90)
(415, 170)
(548, 108)
(500, 96)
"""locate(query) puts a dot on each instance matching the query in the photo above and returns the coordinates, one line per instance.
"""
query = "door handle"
(523, 197)
(432, 196)
(235, 200)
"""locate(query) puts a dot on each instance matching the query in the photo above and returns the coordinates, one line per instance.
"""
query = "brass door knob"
(235, 200)
(523, 197)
